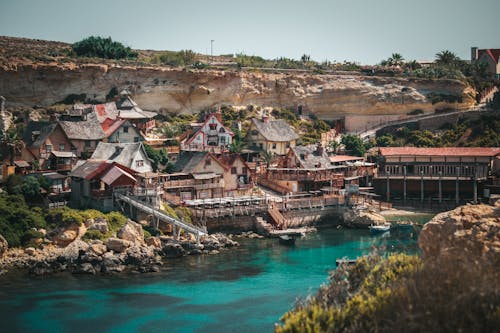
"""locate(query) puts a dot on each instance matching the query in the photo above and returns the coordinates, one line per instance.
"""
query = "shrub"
(184, 214)
(16, 219)
(100, 47)
(64, 217)
(115, 220)
(93, 234)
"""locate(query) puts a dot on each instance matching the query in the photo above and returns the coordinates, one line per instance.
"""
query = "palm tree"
(446, 58)
(268, 157)
(396, 59)
(237, 146)
(10, 145)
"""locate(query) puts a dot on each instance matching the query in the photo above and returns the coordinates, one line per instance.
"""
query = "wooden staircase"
(277, 217)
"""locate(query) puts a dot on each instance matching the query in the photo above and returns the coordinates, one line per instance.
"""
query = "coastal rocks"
(4, 246)
(63, 237)
(132, 232)
(117, 245)
(361, 219)
(30, 251)
(112, 263)
(74, 250)
(173, 250)
(153, 241)
(467, 232)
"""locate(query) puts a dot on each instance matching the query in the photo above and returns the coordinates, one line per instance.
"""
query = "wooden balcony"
(192, 183)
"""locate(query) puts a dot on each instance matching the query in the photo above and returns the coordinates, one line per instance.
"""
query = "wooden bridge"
(162, 216)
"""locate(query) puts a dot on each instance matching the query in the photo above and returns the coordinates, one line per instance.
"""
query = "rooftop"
(311, 157)
(89, 129)
(446, 151)
(275, 130)
(122, 153)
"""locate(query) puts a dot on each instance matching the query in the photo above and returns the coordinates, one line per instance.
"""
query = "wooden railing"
(273, 185)
(192, 183)
(276, 216)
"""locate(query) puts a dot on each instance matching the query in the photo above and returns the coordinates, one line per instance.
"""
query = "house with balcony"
(83, 130)
(238, 178)
(197, 175)
(93, 183)
(130, 155)
(274, 136)
(451, 174)
(127, 108)
(211, 135)
(120, 131)
(46, 147)
(304, 169)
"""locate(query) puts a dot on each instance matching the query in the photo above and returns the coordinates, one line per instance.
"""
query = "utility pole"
(212, 50)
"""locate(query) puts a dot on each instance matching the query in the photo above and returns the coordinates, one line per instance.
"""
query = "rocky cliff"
(185, 91)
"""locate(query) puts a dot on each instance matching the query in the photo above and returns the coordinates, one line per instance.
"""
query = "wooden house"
(238, 178)
(274, 136)
(83, 130)
(211, 135)
(130, 155)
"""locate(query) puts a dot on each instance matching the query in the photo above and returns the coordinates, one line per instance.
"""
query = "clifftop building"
(489, 57)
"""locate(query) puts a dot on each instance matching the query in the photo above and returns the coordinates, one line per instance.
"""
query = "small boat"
(347, 261)
(404, 225)
(286, 240)
(377, 229)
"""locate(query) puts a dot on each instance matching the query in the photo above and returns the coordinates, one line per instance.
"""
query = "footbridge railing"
(161, 215)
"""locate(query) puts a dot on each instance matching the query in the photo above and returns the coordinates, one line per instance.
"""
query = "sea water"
(244, 289)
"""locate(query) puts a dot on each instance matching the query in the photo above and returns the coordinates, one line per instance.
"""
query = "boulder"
(153, 241)
(112, 263)
(74, 250)
(98, 249)
(132, 232)
(99, 224)
(30, 251)
(173, 250)
(468, 232)
(86, 268)
(140, 255)
(117, 245)
(65, 237)
(4, 246)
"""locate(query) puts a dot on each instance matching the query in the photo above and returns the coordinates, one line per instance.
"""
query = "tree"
(10, 144)
(268, 157)
(335, 146)
(95, 46)
(30, 187)
(447, 58)
(354, 144)
(396, 59)
(237, 146)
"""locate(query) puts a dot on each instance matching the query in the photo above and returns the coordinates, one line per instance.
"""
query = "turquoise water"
(243, 290)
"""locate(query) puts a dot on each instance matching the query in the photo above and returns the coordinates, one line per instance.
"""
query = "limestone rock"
(132, 232)
(112, 263)
(173, 250)
(99, 224)
(467, 232)
(4, 246)
(117, 245)
(153, 241)
(74, 250)
(98, 249)
(30, 251)
(360, 219)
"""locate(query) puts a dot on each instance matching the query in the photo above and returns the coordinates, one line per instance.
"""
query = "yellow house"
(274, 136)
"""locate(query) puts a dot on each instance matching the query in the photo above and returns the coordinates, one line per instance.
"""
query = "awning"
(209, 175)
(22, 164)
(54, 176)
(67, 154)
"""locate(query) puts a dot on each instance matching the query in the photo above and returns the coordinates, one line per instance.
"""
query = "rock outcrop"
(467, 232)
(132, 232)
(362, 219)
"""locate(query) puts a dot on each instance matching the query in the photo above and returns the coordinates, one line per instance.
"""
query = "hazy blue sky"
(365, 31)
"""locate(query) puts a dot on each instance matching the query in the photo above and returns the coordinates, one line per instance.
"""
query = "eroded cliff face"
(186, 91)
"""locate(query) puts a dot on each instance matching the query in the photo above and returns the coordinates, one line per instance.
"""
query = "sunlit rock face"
(188, 91)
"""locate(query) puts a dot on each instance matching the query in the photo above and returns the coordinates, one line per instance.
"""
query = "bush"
(100, 47)
(64, 217)
(93, 234)
(16, 219)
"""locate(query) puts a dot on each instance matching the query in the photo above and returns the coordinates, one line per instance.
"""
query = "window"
(222, 130)
(255, 133)
(136, 139)
(234, 171)
(61, 147)
(139, 163)
(274, 145)
(288, 144)
(48, 148)
(212, 127)
(87, 144)
(244, 170)
(125, 129)
(261, 145)
(222, 140)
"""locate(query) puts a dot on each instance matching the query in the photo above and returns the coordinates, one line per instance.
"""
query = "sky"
(363, 31)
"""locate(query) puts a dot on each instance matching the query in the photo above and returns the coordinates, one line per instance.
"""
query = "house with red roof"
(451, 175)
(120, 131)
(93, 182)
(211, 135)
(489, 57)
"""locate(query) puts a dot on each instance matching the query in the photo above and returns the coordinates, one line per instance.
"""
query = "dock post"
(388, 192)
(422, 186)
(440, 188)
(404, 185)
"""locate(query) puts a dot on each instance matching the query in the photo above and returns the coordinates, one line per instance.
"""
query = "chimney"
(218, 115)
(474, 53)
(319, 150)
(265, 117)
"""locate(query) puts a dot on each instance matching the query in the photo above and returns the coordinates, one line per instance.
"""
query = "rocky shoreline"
(127, 252)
